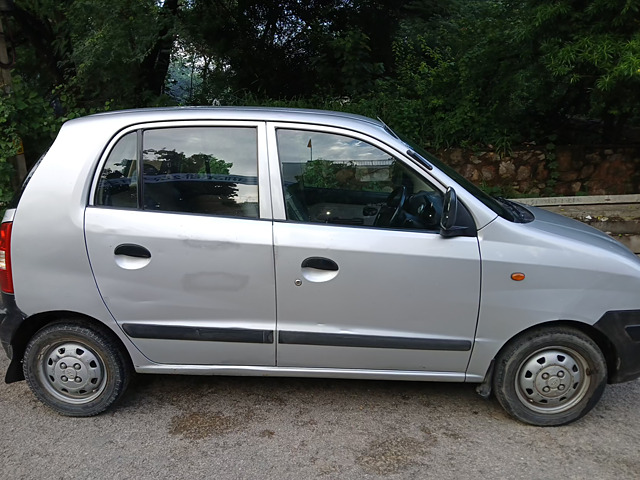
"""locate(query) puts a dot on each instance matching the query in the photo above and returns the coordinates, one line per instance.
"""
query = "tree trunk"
(155, 65)
(41, 36)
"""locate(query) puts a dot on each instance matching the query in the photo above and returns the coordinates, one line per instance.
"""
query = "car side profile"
(284, 242)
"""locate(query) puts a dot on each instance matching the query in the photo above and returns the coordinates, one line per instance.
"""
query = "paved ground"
(247, 428)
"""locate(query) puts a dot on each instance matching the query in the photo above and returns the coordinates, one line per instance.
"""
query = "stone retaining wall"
(564, 170)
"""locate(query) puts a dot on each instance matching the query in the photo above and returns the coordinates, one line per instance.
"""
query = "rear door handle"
(320, 263)
(132, 250)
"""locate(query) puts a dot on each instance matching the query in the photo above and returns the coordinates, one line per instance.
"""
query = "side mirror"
(449, 211)
(455, 220)
(450, 224)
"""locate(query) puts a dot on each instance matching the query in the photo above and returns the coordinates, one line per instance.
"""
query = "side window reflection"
(335, 179)
(117, 185)
(207, 170)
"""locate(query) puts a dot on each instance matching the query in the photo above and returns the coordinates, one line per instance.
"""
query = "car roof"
(297, 115)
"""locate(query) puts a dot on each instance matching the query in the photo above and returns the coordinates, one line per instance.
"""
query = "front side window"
(336, 179)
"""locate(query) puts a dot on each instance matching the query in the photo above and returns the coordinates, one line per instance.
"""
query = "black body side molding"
(372, 341)
(204, 334)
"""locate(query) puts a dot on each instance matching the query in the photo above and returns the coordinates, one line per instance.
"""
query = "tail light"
(6, 277)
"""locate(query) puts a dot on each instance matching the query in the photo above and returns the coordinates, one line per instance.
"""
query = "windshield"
(498, 206)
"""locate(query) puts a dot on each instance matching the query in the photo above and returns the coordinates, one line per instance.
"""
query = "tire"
(550, 376)
(76, 369)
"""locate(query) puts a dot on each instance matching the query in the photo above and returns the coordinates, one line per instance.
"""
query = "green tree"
(592, 49)
(93, 51)
(82, 56)
(445, 72)
(508, 71)
(288, 49)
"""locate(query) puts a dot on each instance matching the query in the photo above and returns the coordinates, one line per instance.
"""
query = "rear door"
(179, 235)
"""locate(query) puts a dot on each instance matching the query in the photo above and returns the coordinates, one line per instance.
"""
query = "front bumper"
(622, 328)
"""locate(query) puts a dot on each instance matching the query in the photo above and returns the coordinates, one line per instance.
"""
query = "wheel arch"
(31, 325)
(604, 344)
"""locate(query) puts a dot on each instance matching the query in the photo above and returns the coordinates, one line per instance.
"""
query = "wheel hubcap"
(73, 373)
(553, 380)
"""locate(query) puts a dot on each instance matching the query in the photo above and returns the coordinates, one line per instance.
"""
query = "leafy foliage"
(592, 49)
(444, 72)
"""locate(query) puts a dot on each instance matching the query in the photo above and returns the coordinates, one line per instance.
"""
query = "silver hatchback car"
(248, 241)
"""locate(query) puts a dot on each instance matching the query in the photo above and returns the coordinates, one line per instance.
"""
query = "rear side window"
(209, 170)
(203, 170)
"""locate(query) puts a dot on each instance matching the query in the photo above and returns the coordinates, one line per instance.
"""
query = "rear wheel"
(551, 376)
(76, 369)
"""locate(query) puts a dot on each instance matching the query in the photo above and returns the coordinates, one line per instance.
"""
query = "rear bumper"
(622, 328)
(10, 320)
(3, 316)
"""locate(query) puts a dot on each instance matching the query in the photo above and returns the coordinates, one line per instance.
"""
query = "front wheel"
(551, 376)
(76, 369)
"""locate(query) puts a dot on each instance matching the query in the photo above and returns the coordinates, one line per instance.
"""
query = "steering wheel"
(394, 203)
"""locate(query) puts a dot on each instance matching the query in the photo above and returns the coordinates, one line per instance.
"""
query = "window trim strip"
(139, 138)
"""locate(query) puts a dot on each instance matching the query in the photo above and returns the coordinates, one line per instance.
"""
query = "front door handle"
(320, 263)
(132, 250)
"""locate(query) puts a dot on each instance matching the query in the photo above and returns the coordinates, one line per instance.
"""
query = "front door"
(364, 279)
(179, 237)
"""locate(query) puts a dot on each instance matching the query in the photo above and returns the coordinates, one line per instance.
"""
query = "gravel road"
(248, 428)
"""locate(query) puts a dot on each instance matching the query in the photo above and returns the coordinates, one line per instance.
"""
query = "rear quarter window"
(118, 182)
